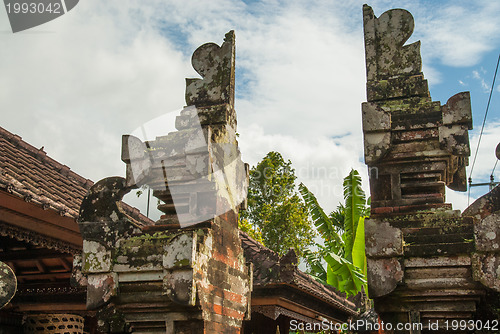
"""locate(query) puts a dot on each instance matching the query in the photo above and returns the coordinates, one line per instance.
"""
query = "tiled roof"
(29, 173)
(269, 268)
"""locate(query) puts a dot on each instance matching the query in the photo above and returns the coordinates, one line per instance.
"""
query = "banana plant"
(343, 234)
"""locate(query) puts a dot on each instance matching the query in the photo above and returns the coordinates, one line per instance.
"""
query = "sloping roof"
(270, 269)
(30, 174)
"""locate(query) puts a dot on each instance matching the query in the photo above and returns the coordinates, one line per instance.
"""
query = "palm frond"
(344, 275)
(323, 223)
(317, 270)
(355, 199)
(358, 248)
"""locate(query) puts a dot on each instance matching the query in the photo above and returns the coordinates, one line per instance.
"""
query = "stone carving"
(8, 284)
(486, 259)
(196, 171)
(413, 145)
(386, 55)
(418, 249)
(216, 66)
(187, 260)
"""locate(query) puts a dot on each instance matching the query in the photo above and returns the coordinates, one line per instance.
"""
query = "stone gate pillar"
(185, 273)
(418, 249)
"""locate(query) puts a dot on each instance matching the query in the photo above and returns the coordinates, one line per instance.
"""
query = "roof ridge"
(258, 244)
(42, 156)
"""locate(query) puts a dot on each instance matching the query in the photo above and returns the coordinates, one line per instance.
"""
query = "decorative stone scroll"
(215, 64)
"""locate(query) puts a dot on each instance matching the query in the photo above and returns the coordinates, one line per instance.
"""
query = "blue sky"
(76, 84)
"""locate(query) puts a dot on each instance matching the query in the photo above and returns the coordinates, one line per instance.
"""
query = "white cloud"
(320, 163)
(84, 80)
(479, 76)
(76, 84)
(486, 154)
(458, 34)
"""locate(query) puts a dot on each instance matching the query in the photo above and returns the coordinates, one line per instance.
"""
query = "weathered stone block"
(486, 269)
(487, 234)
(457, 110)
(382, 240)
(100, 288)
(397, 88)
(385, 36)
(96, 257)
(375, 118)
(383, 276)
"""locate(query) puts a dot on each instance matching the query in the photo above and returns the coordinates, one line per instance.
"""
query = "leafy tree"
(275, 208)
(343, 233)
(254, 232)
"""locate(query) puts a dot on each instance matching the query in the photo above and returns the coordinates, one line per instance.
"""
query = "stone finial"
(215, 64)
(386, 54)
(196, 171)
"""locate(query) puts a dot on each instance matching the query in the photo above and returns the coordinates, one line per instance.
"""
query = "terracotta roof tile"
(28, 169)
(267, 269)
(29, 173)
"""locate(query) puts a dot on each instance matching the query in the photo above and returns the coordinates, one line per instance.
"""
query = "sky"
(76, 84)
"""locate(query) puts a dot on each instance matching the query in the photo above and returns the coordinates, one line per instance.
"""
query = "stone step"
(171, 208)
(441, 261)
(431, 273)
(423, 197)
(441, 294)
(441, 306)
(439, 249)
(427, 221)
(422, 183)
(415, 177)
(437, 237)
(440, 283)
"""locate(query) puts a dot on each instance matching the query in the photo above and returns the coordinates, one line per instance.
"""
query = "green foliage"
(355, 199)
(254, 232)
(343, 234)
(275, 208)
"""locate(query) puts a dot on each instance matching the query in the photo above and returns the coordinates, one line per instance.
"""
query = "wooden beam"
(35, 254)
(66, 264)
(44, 276)
(56, 307)
(41, 266)
(292, 306)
